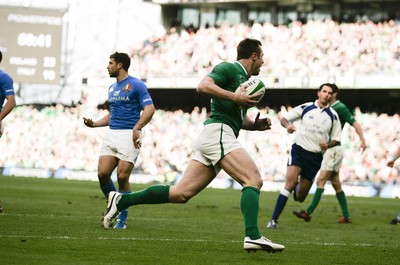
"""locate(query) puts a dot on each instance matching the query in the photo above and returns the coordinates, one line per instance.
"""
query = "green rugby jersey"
(228, 76)
(344, 113)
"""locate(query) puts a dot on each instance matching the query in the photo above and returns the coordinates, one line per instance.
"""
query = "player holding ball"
(217, 148)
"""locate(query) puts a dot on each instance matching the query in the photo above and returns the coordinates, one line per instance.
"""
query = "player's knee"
(301, 198)
(320, 182)
(259, 183)
(337, 187)
(123, 179)
(179, 197)
(254, 181)
(104, 178)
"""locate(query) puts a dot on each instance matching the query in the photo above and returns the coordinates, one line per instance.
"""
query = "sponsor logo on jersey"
(119, 98)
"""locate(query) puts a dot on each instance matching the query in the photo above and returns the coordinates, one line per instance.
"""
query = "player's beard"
(257, 70)
(113, 74)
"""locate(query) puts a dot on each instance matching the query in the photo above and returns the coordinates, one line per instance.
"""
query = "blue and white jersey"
(6, 87)
(127, 99)
(317, 125)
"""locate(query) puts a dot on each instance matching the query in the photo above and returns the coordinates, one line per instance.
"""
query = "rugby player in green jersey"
(217, 148)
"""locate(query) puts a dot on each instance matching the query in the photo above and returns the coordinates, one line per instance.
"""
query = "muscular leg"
(124, 171)
(335, 181)
(195, 178)
(303, 189)
(106, 166)
(241, 167)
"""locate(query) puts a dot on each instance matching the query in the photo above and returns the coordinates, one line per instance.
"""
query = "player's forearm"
(358, 129)
(7, 108)
(333, 143)
(105, 121)
(145, 118)
(208, 87)
(247, 124)
(285, 123)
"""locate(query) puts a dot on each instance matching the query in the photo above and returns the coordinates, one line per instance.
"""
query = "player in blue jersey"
(6, 93)
(217, 148)
(131, 108)
(319, 130)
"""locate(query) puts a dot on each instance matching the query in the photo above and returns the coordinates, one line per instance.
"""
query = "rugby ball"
(253, 86)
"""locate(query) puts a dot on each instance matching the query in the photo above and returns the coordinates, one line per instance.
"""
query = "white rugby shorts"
(214, 142)
(119, 143)
(332, 159)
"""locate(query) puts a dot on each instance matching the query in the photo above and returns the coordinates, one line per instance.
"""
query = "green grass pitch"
(51, 221)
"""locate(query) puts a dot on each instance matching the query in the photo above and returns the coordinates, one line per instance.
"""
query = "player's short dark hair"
(334, 87)
(122, 58)
(246, 48)
(1, 56)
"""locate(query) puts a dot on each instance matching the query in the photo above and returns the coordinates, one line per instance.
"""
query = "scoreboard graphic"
(30, 40)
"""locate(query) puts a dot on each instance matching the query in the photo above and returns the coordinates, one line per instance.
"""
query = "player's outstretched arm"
(105, 121)
(289, 126)
(8, 107)
(358, 130)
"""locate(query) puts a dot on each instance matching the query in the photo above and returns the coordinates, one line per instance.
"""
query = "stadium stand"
(34, 142)
(356, 45)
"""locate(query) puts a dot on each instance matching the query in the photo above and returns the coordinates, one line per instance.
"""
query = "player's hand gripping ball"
(253, 86)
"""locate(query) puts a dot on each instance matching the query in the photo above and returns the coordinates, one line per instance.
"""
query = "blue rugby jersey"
(127, 99)
(6, 87)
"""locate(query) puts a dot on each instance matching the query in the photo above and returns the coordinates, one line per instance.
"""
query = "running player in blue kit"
(131, 108)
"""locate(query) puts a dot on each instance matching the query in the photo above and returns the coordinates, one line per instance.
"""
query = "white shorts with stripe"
(215, 141)
(119, 143)
(332, 159)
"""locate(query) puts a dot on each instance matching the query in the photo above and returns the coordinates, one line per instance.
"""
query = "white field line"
(186, 240)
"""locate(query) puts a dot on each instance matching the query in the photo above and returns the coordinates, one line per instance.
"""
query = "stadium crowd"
(317, 48)
(55, 137)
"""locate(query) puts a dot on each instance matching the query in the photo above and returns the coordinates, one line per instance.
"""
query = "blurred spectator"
(314, 49)
(167, 143)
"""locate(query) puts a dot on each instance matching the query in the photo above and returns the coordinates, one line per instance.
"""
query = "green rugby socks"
(249, 204)
(152, 195)
(343, 203)
(315, 201)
